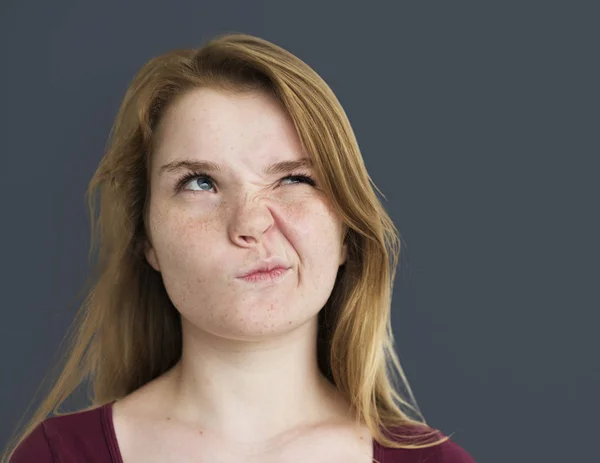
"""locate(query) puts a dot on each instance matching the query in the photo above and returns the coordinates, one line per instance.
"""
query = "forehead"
(212, 122)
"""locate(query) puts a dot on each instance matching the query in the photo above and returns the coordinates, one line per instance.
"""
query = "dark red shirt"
(89, 437)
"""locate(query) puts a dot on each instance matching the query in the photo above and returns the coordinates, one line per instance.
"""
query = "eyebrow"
(207, 166)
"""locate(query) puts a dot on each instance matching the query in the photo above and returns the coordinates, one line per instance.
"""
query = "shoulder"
(80, 435)
(35, 447)
(446, 452)
(451, 452)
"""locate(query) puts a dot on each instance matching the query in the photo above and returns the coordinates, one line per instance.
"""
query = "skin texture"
(248, 374)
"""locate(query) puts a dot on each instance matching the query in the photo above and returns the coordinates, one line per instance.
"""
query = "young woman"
(240, 307)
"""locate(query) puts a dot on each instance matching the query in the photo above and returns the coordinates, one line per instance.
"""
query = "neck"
(253, 391)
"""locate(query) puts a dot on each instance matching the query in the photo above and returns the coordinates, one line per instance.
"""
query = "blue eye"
(185, 179)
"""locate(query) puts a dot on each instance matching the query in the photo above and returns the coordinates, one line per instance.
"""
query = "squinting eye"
(305, 178)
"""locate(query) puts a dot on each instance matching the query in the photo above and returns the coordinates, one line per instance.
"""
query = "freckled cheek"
(177, 238)
(313, 227)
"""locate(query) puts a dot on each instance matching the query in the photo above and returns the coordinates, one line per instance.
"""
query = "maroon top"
(89, 436)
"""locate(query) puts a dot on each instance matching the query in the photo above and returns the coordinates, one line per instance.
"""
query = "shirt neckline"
(113, 444)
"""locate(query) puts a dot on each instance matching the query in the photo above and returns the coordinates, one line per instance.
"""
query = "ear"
(151, 258)
(344, 253)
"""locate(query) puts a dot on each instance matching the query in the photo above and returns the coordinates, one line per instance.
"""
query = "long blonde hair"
(127, 331)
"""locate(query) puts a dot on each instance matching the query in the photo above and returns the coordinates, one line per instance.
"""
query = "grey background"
(479, 122)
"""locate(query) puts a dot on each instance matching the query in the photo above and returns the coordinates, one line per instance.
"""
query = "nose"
(251, 220)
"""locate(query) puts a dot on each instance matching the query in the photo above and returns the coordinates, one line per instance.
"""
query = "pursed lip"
(265, 265)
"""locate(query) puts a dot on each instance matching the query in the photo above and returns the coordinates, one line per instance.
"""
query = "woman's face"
(205, 231)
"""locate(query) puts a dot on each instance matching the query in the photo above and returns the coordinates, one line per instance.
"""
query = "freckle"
(168, 418)
(200, 432)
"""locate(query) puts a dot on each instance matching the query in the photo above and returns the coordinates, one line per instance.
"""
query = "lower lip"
(272, 276)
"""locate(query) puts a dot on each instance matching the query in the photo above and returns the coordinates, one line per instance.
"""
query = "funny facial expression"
(220, 206)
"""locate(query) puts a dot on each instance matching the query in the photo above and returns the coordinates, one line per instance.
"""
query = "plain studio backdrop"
(479, 123)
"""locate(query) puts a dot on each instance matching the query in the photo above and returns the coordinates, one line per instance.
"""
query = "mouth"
(273, 275)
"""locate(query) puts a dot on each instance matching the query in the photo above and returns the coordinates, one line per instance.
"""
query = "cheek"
(179, 239)
(315, 232)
